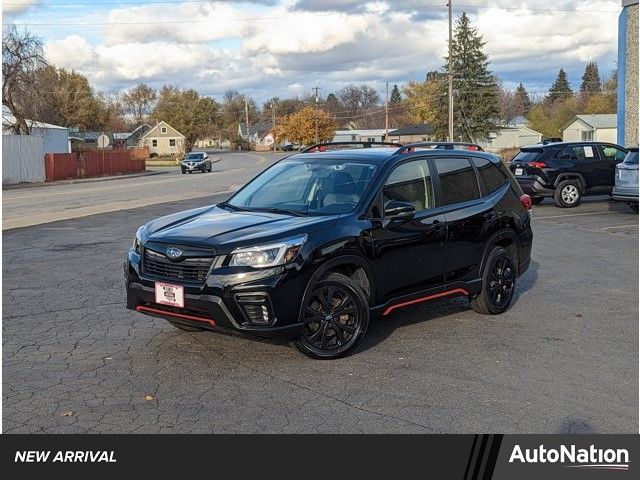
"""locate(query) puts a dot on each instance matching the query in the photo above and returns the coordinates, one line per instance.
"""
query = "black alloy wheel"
(335, 317)
(499, 283)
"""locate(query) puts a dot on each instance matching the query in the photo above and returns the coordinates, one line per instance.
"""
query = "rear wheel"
(335, 317)
(498, 283)
(537, 200)
(568, 193)
(185, 327)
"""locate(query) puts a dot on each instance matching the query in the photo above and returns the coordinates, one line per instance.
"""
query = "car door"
(466, 216)
(610, 156)
(408, 253)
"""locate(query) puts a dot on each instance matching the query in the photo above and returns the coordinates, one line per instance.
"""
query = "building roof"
(602, 120)
(257, 128)
(8, 119)
(418, 129)
(364, 131)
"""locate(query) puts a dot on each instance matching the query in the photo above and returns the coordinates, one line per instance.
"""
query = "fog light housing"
(256, 307)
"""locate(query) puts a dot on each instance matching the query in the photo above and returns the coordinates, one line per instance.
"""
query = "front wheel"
(335, 317)
(498, 283)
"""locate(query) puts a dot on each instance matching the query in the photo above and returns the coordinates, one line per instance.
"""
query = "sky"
(266, 48)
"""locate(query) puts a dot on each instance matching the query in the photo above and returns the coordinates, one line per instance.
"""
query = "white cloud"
(18, 6)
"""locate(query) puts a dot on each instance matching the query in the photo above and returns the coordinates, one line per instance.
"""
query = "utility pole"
(386, 113)
(246, 114)
(450, 75)
(273, 123)
(316, 88)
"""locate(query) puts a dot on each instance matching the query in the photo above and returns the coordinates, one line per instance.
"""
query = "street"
(563, 359)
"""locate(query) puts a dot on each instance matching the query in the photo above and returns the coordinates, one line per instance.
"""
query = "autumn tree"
(356, 99)
(22, 58)
(189, 113)
(300, 127)
(233, 112)
(560, 89)
(422, 98)
(139, 101)
(591, 82)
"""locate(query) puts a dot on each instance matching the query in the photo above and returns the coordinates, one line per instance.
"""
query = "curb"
(82, 180)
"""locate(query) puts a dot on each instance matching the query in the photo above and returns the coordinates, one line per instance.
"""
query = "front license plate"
(518, 171)
(170, 295)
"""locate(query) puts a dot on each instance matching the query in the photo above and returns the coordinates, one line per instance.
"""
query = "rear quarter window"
(492, 178)
(458, 180)
(525, 156)
(631, 158)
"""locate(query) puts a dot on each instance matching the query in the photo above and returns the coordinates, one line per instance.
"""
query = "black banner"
(465, 457)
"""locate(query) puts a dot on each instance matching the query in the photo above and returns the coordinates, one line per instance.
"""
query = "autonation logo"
(592, 457)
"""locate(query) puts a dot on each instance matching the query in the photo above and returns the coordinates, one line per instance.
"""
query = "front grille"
(187, 269)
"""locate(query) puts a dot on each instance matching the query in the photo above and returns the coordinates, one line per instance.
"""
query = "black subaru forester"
(319, 242)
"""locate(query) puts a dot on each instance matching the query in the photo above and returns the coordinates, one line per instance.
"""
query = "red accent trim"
(424, 299)
(177, 315)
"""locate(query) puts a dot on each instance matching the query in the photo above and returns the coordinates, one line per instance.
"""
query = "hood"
(225, 230)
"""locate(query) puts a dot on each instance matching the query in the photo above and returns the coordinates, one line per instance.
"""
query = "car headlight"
(137, 241)
(270, 255)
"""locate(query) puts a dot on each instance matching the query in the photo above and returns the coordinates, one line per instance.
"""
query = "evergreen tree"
(560, 88)
(522, 100)
(591, 79)
(475, 97)
(396, 97)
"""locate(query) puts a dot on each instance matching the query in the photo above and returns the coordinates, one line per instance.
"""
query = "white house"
(371, 135)
(514, 135)
(592, 128)
(55, 139)
(162, 140)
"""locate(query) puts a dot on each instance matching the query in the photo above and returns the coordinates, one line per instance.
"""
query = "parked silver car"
(626, 187)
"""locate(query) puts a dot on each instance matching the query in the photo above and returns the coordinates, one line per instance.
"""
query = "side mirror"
(399, 210)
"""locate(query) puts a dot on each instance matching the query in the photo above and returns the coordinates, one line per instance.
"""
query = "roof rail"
(441, 146)
(321, 147)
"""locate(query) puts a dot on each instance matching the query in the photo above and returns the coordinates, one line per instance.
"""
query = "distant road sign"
(103, 141)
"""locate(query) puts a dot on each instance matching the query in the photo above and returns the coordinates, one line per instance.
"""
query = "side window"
(610, 152)
(411, 183)
(491, 175)
(154, 143)
(172, 142)
(458, 180)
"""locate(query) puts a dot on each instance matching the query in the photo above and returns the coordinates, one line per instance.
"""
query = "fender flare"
(569, 176)
(349, 259)
(495, 238)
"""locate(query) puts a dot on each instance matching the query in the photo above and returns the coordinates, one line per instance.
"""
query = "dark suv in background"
(567, 171)
(318, 242)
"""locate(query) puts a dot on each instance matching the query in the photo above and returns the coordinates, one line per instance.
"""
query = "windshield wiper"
(285, 211)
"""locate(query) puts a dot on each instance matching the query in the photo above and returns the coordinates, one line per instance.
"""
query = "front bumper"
(625, 194)
(217, 304)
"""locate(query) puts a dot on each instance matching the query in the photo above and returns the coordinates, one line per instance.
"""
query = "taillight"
(525, 200)
(537, 164)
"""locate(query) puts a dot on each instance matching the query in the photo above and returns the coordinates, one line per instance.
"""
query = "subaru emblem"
(173, 253)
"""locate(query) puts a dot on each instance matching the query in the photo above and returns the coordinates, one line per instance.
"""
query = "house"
(213, 143)
(627, 110)
(162, 140)
(55, 139)
(83, 141)
(413, 133)
(355, 135)
(512, 135)
(256, 131)
(591, 128)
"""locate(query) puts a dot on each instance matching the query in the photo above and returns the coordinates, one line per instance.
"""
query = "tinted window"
(457, 179)
(611, 152)
(411, 183)
(525, 156)
(580, 153)
(632, 157)
(491, 176)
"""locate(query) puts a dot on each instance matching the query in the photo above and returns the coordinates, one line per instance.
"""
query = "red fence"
(62, 166)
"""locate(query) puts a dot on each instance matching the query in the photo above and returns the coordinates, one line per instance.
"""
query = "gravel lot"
(563, 359)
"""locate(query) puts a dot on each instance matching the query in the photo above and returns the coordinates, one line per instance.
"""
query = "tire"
(327, 333)
(537, 200)
(190, 172)
(183, 172)
(497, 288)
(568, 193)
(185, 327)
(633, 207)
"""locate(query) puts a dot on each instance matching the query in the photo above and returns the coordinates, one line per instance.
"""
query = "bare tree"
(139, 101)
(22, 57)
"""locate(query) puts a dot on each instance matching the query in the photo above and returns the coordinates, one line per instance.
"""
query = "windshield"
(527, 156)
(195, 156)
(316, 187)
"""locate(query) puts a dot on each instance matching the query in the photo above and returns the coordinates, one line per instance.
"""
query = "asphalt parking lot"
(563, 359)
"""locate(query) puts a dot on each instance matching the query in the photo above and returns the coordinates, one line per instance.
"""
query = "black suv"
(318, 242)
(567, 171)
